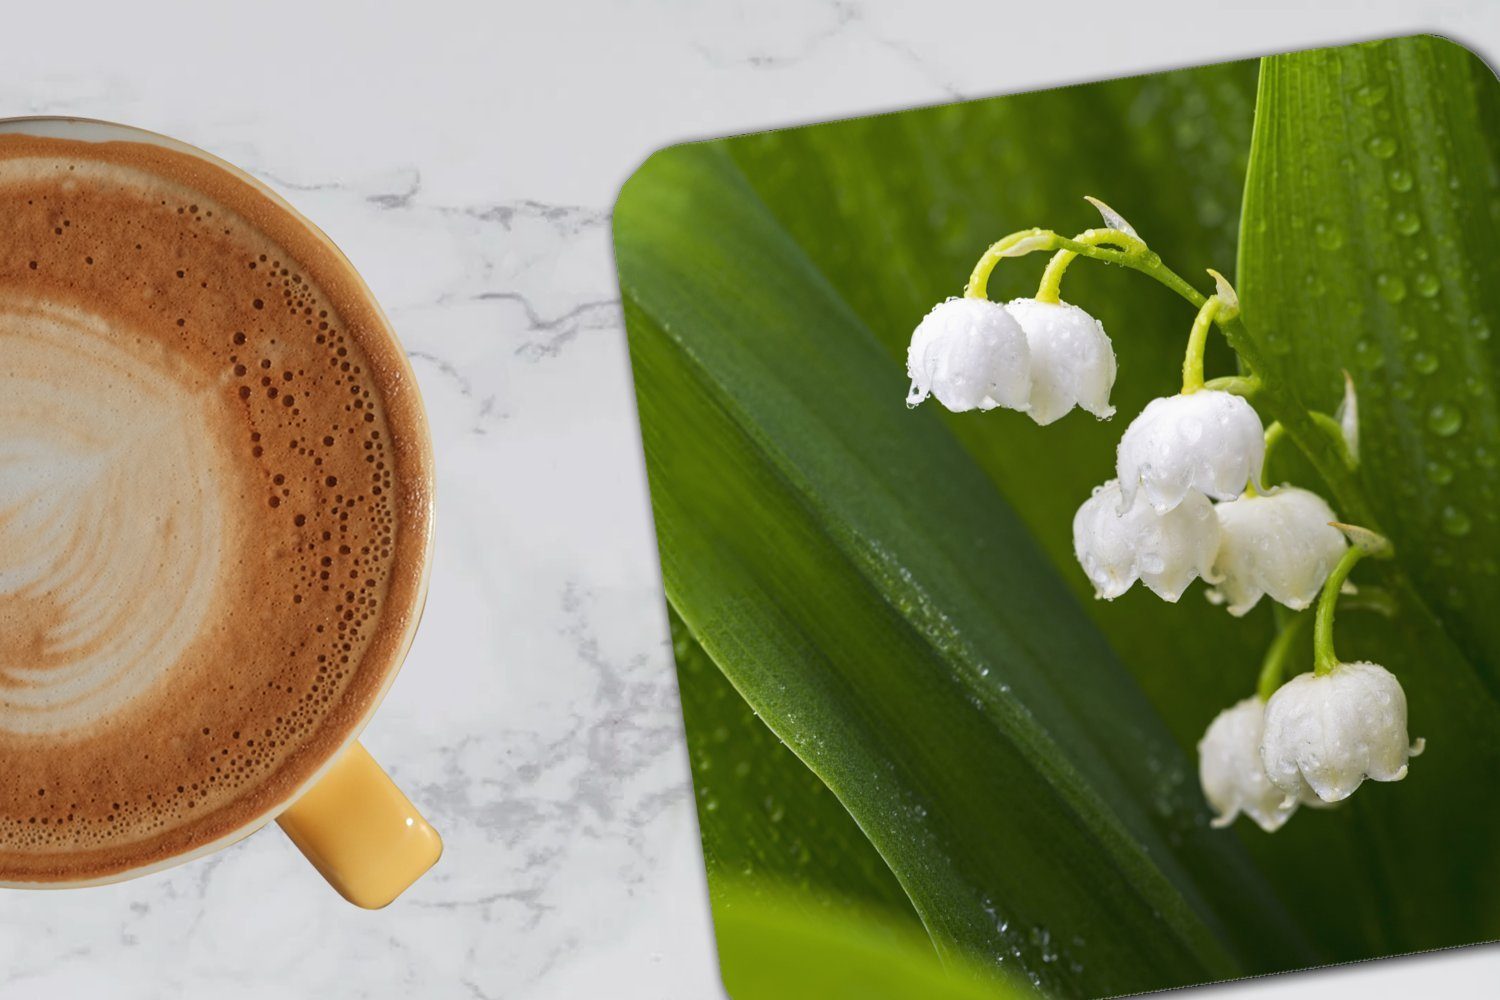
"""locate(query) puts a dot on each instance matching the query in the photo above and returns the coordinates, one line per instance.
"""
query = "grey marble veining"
(466, 157)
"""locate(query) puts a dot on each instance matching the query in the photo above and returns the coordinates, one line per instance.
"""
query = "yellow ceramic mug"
(349, 818)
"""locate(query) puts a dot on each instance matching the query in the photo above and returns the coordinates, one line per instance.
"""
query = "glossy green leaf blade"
(768, 823)
(877, 603)
(1368, 243)
(1373, 246)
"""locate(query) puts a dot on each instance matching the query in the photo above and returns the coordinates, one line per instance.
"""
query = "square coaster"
(928, 760)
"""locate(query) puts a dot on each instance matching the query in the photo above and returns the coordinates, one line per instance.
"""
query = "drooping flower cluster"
(972, 355)
(1282, 545)
(1313, 743)
(1037, 357)
(1327, 733)
(1230, 770)
(1181, 452)
(1207, 442)
(1166, 552)
(1187, 502)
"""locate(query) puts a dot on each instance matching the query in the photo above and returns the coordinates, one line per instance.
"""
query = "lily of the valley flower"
(1234, 779)
(1166, 551)
(972, 355)
(1206, 442)
(1280, 544)
(1335, 730)
(1072, 360)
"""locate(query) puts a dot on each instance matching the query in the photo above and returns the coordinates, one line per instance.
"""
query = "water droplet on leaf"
(1455, 522)
(1444, 419)
(1391, 287)
(1381, 146)
(1328, 235)
(1406, 223)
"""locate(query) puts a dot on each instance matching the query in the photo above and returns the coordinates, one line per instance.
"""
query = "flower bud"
(971, 354)
(1234, 779)
(1205, 442)
(1280, 544)
(1164, 551)
(1334, 731)
(1072, 360)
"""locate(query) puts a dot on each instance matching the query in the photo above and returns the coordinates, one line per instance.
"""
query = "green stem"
(1133, 254)
(1050, 288)
(1273, 667)
(1275, 434)
(1011, 245)
(1192, 363)
(1324, 658)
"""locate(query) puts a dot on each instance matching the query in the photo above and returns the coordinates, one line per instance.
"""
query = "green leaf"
(767, 821)
(773, 947)
(1369, 243)
(875, 600)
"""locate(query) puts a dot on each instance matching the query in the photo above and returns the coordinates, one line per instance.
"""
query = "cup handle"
(360, 832)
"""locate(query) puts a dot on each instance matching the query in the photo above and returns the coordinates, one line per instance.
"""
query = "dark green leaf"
(767, 821)
(1369, 243)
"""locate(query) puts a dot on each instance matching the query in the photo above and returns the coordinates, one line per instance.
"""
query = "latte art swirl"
(110, 519)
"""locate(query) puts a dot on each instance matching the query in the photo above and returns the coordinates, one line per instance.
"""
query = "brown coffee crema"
(214, 509)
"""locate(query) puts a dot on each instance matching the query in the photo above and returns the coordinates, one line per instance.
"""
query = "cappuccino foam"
(213, 506)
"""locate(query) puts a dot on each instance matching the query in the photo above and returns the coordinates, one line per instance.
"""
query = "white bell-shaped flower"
(1166, 552)
(1280, 544)
(1206, 442)
(1072, 360)
(1334, 731)
(1234, 779)
(972, 355)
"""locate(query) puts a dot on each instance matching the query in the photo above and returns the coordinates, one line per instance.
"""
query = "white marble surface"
(465, 156)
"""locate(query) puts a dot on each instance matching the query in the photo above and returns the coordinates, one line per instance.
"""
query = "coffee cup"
(215, 521)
